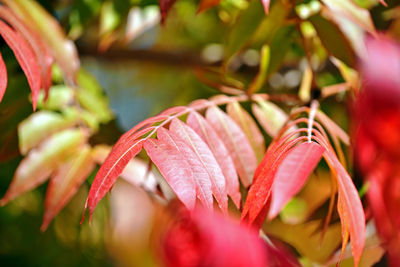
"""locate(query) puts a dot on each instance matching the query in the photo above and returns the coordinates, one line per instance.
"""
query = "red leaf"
(201, 126)
(203, 238)
(236, 142)
(293, 173)
(66, 182)
(260, 190)
(351, 210)
(202, 180)
(3, 78)
(123, 151)
(42, 53)
(165, 6)
(206, 158)
(25, 57)
(175, 169)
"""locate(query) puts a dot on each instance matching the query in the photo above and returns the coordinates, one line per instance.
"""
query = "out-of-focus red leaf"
(376, 133)
(175, 169)
(206, 4)
(266, 5)
(209, 239)
(123, 151)
(65, 183)
(236, 142)
(206, 158)
(25, 57)
(249, 127)
(201, 126)
(351, 210)
(3, 77)
(293, 173)
(201, 177)
(42, 53)
(165, 6)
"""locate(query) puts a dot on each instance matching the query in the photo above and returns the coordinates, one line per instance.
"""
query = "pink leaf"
(66, 182)
(236, 142)
(175, 169)
(202, 180)
(25, 57)
(41, 52)
(249, 127)
(205, 158)
(259, 193)
(201, 126)
(292, 174)
(123, 151)
(3, 78)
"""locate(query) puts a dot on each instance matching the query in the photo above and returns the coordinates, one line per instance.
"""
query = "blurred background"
(144, 67)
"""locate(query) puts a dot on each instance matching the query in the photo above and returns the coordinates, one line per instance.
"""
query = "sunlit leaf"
(40, 126)
(65, 183)
(123, 151)
(205, 158)
(353, 12)
(270, 116)
(249, 127)
(42, 161)
(236, 142)
(201, 126)
(201, 177)
(293, 173)
(350, 208)
(62, 49)
(25, 57)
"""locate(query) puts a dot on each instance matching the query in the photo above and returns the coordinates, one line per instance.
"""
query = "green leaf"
(333, 39)
(59, 97)
(244, 28)
(91, 97)
(39, 126)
